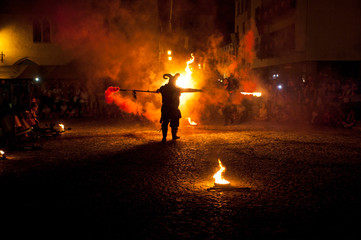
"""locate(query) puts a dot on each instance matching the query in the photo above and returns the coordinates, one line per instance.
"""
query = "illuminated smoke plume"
(113, 43)
(215, 97)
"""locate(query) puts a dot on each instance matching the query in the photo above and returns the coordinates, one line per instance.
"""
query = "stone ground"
(106, 179)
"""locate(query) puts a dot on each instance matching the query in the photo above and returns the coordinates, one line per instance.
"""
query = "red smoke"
(126, 104)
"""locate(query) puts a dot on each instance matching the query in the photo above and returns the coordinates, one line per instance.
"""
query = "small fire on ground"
(2, 154)
(218, 178)
(191, 122)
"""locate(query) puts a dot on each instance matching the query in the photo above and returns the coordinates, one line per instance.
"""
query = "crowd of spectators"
(65, 100)
(320, 100)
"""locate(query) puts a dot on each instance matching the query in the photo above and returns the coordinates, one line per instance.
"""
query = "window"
(36, 31)
(41, 31)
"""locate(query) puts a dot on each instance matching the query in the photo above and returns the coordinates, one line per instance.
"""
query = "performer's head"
(172, 79)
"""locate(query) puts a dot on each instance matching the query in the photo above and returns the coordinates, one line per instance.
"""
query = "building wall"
(334, 30)
(323, 30)
(242, 17)
(17, 43)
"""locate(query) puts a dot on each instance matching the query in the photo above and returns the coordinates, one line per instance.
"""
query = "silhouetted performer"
(170, 111)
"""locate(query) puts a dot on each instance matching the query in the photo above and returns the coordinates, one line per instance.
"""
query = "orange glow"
(193, 123)
(218, 178)
(255, 94)
(62, 127)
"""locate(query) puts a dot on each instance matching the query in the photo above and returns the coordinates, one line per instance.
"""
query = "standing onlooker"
(309, 97)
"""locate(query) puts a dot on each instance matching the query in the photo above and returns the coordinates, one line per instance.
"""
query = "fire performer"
(170, 99)
(170, 112)
(170, 103)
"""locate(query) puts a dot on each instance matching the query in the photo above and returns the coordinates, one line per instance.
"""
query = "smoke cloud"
(115, 44)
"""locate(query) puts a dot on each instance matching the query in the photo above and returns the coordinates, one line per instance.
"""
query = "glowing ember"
(218, 175)
(193, 123)
(2, 154)
(255, 94)
(62, 127)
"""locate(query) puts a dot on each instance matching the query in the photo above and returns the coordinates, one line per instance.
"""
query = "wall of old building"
(17, 41)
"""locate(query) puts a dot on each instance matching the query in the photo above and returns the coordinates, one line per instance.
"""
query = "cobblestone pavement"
(111, 180)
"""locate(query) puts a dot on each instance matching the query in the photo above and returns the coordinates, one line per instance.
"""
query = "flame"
(186, 80)
(62, 127)
(193, 123)
(255, 94)
(218, 175)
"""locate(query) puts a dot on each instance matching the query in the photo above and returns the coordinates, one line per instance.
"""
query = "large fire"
(218, 178)
(185, 81)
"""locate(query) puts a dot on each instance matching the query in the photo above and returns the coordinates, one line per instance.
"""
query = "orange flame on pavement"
(218, 175)
(193, 123)
(62, 127)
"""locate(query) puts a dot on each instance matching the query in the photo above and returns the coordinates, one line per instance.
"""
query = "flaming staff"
(255, 94)
(134, 91)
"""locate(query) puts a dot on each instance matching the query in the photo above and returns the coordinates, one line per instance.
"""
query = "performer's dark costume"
(170, 112)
